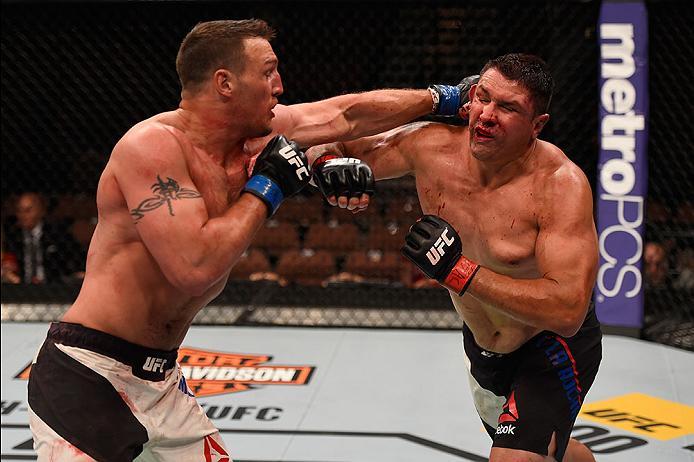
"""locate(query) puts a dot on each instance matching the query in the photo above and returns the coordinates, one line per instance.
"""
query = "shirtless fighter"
(177, 207)
(509, 231)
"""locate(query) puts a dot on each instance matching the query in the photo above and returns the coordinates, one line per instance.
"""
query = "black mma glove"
(342, 176)
(448, 99)
(434, 246)
(280, 171)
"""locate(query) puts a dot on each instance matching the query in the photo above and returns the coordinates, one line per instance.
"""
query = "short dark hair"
(531, 72)
(214, 44)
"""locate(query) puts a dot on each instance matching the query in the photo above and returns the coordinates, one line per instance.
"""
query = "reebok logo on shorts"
(213, 451)
(505, 430)
(510, 412)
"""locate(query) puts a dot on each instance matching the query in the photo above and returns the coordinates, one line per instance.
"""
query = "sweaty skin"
(172, 221)
(522, 208)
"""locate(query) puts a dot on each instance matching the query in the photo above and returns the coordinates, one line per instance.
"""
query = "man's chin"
(480, 152)
(262, 132)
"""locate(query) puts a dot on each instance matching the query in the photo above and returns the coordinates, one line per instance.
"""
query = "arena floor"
(339, 395)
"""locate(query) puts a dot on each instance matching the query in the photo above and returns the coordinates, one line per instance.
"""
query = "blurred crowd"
(668, 255)
(306, 242)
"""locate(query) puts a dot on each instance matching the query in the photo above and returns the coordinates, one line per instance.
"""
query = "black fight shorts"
(525, 396)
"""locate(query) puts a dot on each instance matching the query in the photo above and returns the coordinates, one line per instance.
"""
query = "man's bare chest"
(498, 229)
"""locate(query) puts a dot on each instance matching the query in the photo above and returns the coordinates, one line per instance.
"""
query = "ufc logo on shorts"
(154, 364)
(293, 158)
(505, 430)
(436, 252)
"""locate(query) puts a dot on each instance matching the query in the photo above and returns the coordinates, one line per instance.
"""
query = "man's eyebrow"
(503, 102)
(272, 61)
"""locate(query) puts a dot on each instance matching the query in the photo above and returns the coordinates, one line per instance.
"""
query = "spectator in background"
(10, 268)
(45, 252)
(655, 265)
(685, 270)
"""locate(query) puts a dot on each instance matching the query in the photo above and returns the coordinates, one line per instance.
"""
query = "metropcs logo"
(619, 175)
(214, 373)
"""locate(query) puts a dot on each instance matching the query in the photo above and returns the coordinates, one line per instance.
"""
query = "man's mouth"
(482, 134)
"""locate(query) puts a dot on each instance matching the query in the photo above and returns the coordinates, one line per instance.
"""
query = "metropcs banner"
(623, 161)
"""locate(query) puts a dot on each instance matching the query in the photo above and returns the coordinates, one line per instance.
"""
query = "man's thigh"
(551, 382)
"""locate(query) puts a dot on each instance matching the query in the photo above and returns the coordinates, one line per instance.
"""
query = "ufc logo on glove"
(437, 250)
(293, 158)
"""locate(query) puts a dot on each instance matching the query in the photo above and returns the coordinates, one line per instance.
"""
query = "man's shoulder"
(149, 130)
(149, 140)
(558, 171)
(555, 159)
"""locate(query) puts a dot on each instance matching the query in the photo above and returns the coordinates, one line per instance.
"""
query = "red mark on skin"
(440, 208)
(513, 222)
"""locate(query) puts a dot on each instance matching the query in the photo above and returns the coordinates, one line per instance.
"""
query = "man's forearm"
(380, 110)
(220, 244)
(540, 303)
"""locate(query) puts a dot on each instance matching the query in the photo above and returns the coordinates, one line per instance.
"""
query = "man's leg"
(185, 432)
(575, 452)
(578, 452)
(50, 446)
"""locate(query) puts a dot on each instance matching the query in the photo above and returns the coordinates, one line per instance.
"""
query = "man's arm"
(386, 155)
(193, 250)
(351, 116)
(566, 252)
(390, 154)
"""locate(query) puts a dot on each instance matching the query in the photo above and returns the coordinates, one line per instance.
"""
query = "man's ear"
(539, 124)
(471, 92)
(224, 82)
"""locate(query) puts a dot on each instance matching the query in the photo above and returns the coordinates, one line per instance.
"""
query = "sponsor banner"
(622, 166)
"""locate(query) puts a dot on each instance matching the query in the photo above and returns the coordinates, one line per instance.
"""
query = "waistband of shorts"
(147, 363)
(589, 323)
(471, 342)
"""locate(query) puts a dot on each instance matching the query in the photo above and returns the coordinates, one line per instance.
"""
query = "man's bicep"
(389, 154)
(310, 123)
(164, 204)
(566, 247)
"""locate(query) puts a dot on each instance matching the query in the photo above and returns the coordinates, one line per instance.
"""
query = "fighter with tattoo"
(179, 201)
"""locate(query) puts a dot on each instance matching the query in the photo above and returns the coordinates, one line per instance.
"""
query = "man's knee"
(517, 455)
(578, 452)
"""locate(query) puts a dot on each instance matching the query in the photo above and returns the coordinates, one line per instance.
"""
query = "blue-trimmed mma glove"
(342, 176)
(280, 171)
(434, 246)
(448, 99)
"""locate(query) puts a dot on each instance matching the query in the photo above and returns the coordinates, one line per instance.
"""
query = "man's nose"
(277, 88)
(488, 114)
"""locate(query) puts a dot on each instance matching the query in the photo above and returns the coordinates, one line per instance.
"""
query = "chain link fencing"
(76, 76)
